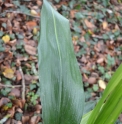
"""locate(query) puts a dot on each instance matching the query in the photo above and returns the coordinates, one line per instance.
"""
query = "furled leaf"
(61, 89)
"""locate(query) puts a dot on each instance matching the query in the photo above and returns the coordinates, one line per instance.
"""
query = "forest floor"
(97, 38)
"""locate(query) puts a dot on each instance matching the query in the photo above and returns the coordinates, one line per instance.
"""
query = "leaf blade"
(60, 79)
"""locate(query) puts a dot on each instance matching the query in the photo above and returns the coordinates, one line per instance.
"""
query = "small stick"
(19, 12)
(96, 36)
(23, 83)
(10, 86)
(5, 118)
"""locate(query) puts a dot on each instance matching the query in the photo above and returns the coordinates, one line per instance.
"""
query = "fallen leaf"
(92, 80)
(8, 73)
(18, 76)
(12, 111)
(72, 13)
(39, 3)
(31, 24)
(25, 119)
(33, 120)
(30, 50)
(4, 101)
(89, 24)
(6, 38)
(105, 25)
(15, 92)
(100, 60)
(33, 12)
(35, 31)
(102, 84)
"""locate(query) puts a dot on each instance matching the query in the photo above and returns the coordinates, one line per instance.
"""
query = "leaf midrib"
(59, 52)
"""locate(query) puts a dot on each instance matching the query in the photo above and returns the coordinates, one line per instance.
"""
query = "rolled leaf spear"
(61, 88)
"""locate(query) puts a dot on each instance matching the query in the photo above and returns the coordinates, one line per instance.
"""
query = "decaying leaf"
(8, 73)
(15, 92)
(6, 38)
(30, 50)
(31, 24)
(4, 101)
(89, 24)
(102, 84)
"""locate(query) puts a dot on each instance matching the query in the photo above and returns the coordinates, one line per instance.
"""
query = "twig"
(5, 118)
(23, 83)
(96, 36)
(10, 86)
(19, 12)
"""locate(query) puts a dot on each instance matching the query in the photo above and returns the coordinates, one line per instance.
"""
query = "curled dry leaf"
(30, 50)
(6, 38)
(8, 73)
(102, 84)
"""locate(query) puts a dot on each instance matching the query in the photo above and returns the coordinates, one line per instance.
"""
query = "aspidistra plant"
(61, 88)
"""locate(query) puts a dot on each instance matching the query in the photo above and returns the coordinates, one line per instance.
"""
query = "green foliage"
(109, 107)
(33, 97)
(110, 60)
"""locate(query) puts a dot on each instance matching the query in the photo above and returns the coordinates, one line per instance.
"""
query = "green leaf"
(61, 88)
(109, 107)
(86, 117)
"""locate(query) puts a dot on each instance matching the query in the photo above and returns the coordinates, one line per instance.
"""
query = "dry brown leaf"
(31, 24)
(92, 80)
(18, 76)
(25, 119)
(18, 103)
(102, 84)
(89, 24)
(39, 3)
(8, 121)
(72, 13)
(30, 50)
(15, 92)
(12, 111)
(8, 73)
(105, 25)
(33, 120)
(100, 60)
(4, 101)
